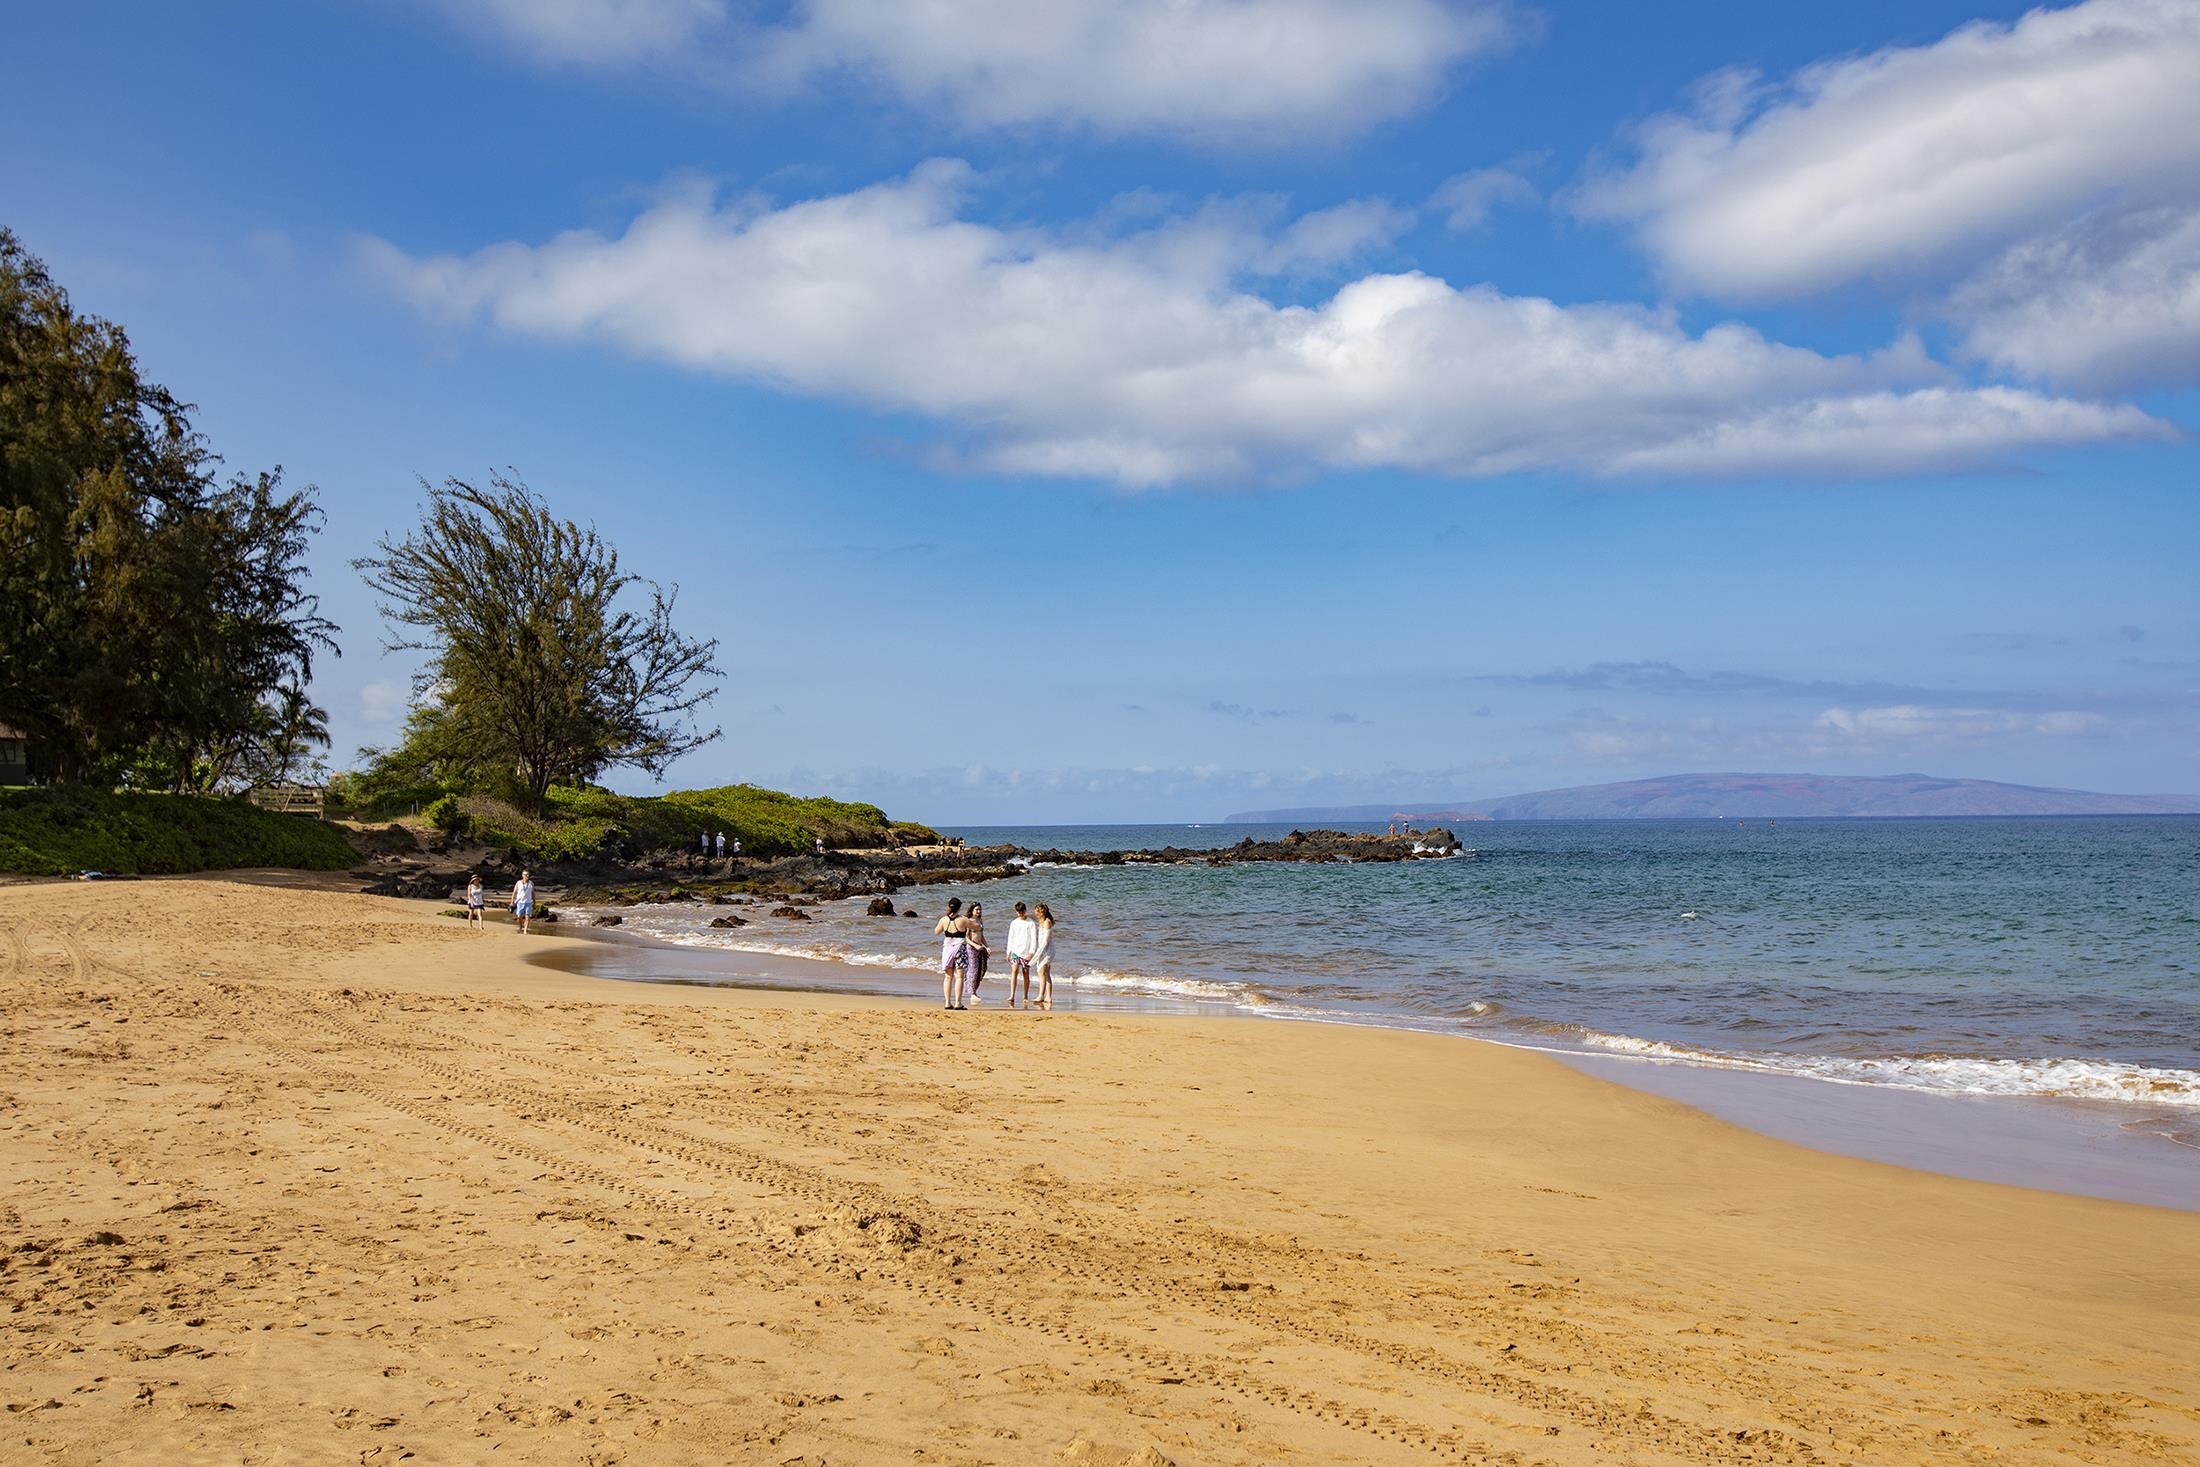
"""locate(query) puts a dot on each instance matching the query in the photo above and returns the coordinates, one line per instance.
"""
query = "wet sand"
(2092, 1148)
(305, 1176)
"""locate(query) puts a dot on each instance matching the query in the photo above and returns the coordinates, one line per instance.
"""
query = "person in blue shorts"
(523, 899)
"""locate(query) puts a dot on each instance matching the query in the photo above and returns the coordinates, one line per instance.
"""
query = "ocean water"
(2018, 957)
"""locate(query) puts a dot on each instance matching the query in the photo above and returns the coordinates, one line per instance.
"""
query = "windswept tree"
(147, 610)
(544, 658)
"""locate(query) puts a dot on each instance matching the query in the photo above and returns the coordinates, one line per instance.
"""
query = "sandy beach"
(294, 1175)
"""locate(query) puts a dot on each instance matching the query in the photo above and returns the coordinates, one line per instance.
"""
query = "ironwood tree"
(149, 612)
(545, 661)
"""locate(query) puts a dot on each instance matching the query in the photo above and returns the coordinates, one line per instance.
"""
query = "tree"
(295, 729)
(146, 609)
(533, 665)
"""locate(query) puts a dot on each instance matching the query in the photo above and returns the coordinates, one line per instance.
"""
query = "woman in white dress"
(1042, 957)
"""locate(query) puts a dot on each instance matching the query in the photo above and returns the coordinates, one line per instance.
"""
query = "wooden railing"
(289, 799)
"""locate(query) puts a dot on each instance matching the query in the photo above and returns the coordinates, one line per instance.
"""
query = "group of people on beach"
(964, 953)
(523, 900)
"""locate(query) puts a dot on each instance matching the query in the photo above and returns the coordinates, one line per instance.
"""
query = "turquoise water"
(2012, 957)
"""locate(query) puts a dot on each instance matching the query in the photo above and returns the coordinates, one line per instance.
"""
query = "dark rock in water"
(609, 919)
(728, 921)
(786, 884)
(1299, 845)
(909, 911)
(547, 914)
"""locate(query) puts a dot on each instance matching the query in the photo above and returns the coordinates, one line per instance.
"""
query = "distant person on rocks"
(475, 899)
(1023, 941)
(819, 842)
(949, 930)
(706, 843)
(1042, 956)
(523, 899)
(721, 845)
(737, 847)
(975, 953)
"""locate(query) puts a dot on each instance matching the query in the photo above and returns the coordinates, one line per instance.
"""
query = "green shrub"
(445, 815)
(766, 822)
(372, 797)
(502, 825)
(59, 829)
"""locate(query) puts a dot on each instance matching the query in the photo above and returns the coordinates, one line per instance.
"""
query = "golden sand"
(301, 1176)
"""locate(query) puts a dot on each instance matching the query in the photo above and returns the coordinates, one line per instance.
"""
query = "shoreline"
(287, 1165)
(2078, 1147)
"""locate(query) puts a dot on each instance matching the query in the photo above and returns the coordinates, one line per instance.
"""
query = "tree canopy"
(150, 614)
(539, 671)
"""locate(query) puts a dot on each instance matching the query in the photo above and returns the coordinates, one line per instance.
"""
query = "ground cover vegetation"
(58, 830)
(592, 823)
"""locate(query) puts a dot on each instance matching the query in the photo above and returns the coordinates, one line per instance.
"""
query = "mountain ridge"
(1758, 796)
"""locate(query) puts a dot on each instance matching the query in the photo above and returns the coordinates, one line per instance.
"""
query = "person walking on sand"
(949, 930)
(1042, 955)
(975, 953)
(523, 900)
(475, 900)
(1023, 940)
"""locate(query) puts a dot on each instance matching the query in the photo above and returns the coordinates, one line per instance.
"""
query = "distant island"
(1755, 797)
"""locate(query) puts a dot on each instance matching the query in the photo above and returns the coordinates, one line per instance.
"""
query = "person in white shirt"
(1023, 941)
(523, 899)
(1042, 956)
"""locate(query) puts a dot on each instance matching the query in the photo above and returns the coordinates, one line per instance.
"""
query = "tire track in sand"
(1533, 1402)
(1158, 1363)
(1161, 1268)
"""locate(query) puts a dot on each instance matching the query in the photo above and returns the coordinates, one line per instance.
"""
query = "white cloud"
(1331, 237)
(594, 32)
(1143, 357)
(1910, 724)
(1468, 199)
(1833, 734)
(2110, 301)
(1917, 157)
(1245, 70)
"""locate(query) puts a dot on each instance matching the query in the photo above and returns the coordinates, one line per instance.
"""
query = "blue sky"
(1150, 409)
